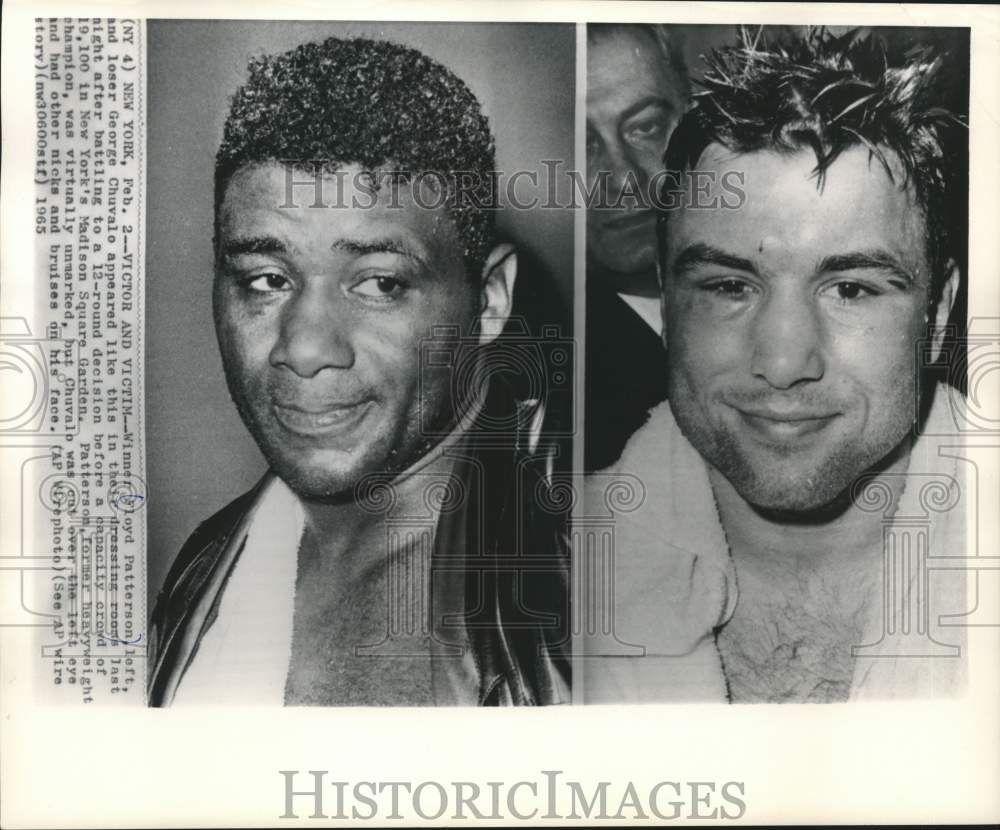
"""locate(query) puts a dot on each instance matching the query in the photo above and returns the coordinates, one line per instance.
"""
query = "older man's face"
(634, 101)
(319, 314)
(794, 322)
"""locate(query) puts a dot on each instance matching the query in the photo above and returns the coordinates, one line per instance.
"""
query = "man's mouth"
(781, 425)
(630, 221)
(321, 420)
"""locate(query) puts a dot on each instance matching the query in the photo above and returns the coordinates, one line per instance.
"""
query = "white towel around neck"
(243, 657)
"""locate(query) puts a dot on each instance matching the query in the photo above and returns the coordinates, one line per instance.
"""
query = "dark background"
(199, 455)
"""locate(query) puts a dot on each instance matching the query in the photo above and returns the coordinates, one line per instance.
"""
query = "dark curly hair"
(829, 93)
(377, 104)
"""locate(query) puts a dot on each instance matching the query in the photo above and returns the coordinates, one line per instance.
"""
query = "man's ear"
(942, 309)
(496, 292)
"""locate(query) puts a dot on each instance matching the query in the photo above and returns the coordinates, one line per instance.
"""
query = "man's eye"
(645, 130)
(847, 291)
(379, 287)
(729, 289)
(268, 283)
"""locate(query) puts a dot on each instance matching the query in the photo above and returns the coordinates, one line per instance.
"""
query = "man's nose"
(787, 344)
(315, 332)
(624, 170)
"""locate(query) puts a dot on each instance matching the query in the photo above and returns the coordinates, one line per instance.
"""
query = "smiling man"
(394, 554)
(797, 432)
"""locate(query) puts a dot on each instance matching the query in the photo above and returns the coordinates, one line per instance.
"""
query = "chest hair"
(792, 644)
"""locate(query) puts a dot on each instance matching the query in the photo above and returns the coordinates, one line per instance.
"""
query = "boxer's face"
(794, 324)
(320, 312)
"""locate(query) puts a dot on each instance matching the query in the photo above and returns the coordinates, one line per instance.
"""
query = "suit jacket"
(515, 562)
(626, 374)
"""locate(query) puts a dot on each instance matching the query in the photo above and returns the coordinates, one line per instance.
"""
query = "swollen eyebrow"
(700, 254)
(866, 260)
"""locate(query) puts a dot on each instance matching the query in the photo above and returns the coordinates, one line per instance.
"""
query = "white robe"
(675, 581)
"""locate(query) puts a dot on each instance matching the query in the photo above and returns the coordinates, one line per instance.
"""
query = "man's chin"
(341, 476)
(328, 476)
(801, 505)
(319, 485)
(793, 497)
(796, 485)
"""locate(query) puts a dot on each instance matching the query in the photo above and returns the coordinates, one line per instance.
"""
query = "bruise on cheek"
(251, 314)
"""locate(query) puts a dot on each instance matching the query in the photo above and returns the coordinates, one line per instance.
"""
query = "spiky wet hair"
(829, 93)
(374, 103)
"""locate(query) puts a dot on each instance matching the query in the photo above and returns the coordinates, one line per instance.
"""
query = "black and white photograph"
(444, 414)
(784, 252)
(386, 314)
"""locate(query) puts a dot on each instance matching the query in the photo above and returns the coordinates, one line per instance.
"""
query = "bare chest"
(339, 654)
(776, 650)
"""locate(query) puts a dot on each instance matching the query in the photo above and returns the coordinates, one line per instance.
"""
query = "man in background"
(637, 90)
(776, 558)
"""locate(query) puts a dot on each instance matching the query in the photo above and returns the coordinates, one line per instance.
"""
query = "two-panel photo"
(498, 364)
